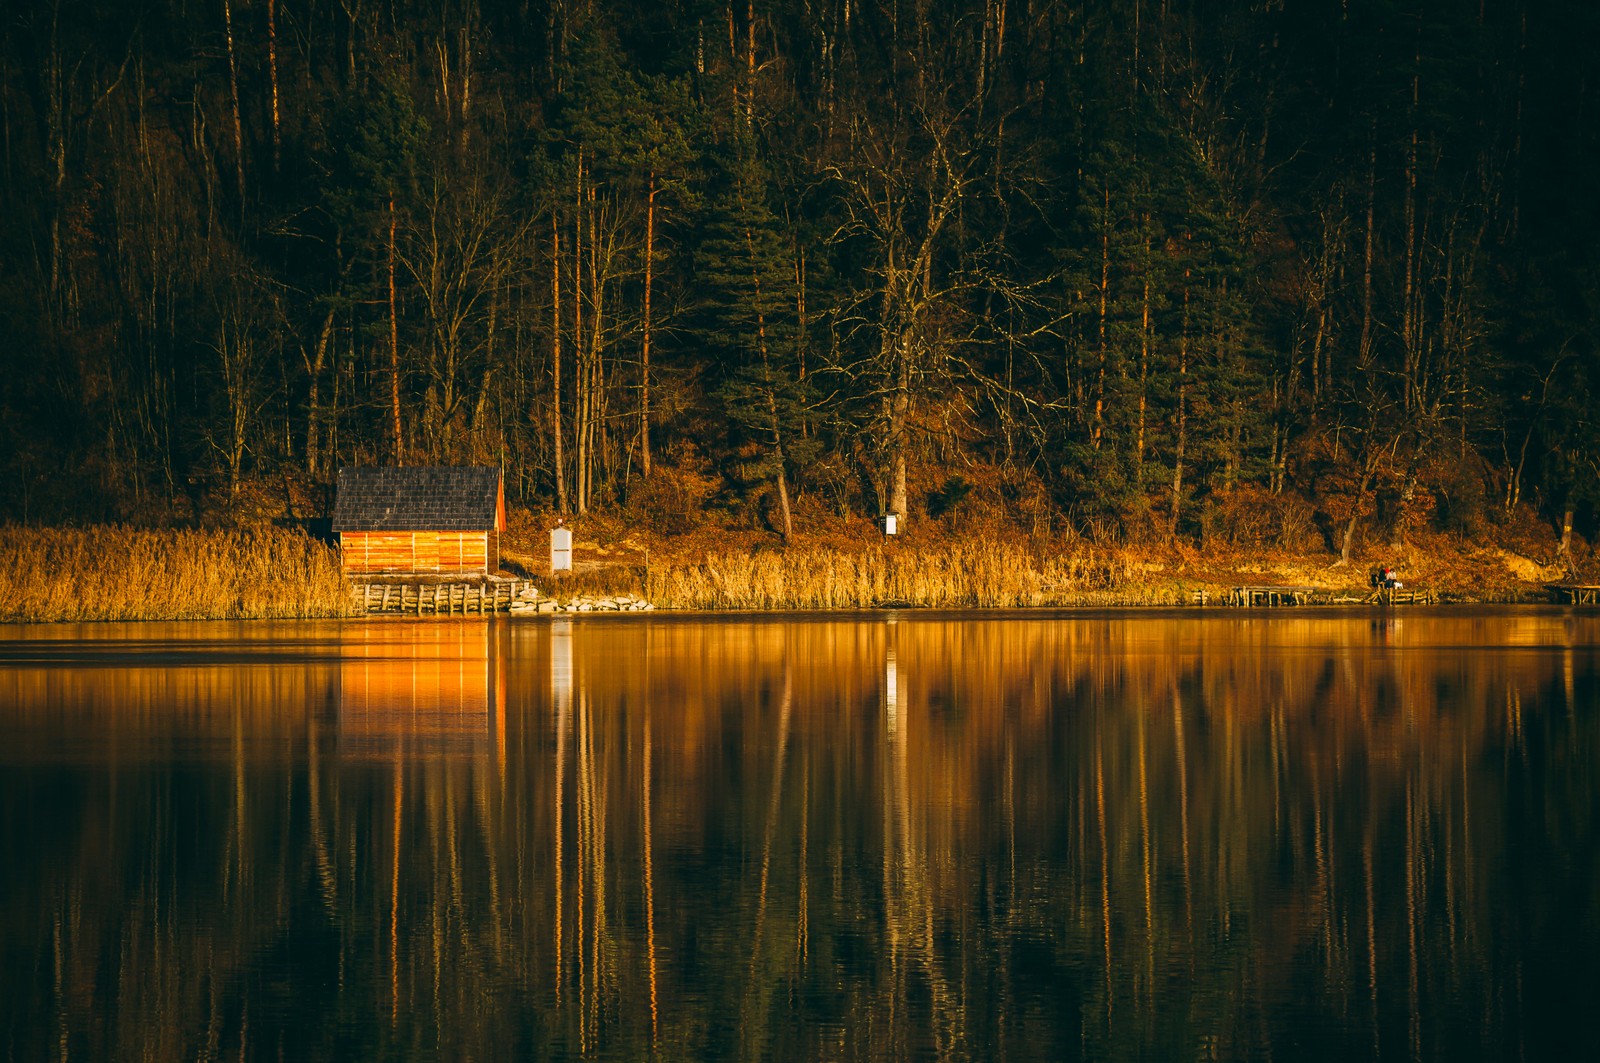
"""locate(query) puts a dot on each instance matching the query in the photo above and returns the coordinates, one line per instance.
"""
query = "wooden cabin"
(424, 520)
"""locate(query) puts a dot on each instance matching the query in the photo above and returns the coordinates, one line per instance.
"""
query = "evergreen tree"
(750, 324)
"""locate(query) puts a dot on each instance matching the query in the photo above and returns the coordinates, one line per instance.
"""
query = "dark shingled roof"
(417, 498)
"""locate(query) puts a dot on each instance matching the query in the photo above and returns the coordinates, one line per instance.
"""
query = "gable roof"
(418, 498)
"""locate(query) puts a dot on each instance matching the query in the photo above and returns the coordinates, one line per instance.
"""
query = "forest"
(1144, 269)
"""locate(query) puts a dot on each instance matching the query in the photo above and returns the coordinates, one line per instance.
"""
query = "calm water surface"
(1215, 836)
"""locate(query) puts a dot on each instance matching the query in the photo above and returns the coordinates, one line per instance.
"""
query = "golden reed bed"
(116, 573)
(970, 575)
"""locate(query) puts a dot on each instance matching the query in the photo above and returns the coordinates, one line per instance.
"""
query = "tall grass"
(117, 573)
(973, 574)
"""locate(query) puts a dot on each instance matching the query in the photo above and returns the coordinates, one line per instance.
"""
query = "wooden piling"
(439, 599)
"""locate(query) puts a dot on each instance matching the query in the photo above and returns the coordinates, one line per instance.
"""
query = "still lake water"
(1307, 835)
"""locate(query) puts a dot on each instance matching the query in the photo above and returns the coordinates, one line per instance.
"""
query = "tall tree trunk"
(1097, 425)
(233, 88)
(557, 438)
(314, 366)
(596, 385)
(394, 350)
(750, 64)
(899, 415)
(1182, 426)
(644, 352)
(272, 74)
(580, 382)
(1364, 349)
(1348, 541)
(1144, 376)
(1410, 324)
(769, 386)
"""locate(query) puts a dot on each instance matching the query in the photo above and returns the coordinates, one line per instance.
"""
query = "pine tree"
(750, 322)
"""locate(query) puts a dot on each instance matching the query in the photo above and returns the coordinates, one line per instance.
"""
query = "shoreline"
(117, 574)
(891, 613)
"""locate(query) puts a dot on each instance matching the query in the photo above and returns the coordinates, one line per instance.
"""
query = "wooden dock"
(436, 598)
(1400, 596)
(1255, 596)
(1575, 593)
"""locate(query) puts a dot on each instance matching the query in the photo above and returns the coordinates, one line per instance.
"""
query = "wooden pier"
(1400, 596)
(1262, 595)
(1575, 593)
(436, 598)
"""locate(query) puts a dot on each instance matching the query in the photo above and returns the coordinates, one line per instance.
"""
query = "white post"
(560, 550)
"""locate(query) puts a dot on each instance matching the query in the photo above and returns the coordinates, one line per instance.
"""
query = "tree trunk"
(1144, 377)
(644, 353)
(598, 416)
(1364, 348)
(782, 477)
(580, 383)
(1097, 425)
(1183, 421)
(750, 64)
(1410, 312)
(394, 350)
(556, 435)
(314, 367)
(233, 87)
(272, 74)
(899, 414)
(1355, 515)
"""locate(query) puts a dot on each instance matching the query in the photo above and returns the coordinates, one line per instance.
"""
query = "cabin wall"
(422, 553)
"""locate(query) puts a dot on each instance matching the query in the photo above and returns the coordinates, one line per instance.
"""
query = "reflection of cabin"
(419, 690)
(420, 520)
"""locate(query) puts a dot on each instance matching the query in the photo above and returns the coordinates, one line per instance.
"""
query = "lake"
(1155, 835)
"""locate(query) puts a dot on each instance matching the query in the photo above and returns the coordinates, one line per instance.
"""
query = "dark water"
(1301, 836)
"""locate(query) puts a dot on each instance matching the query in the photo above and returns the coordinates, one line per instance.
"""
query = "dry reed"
(117, 573)
(960, 575)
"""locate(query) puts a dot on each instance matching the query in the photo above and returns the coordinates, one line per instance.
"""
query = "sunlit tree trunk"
(396, 436)
(272, 75)
(1144, 377)
(899, 417)
(580, 391)
(557, 436)
(644, 346)
(1097, 422)
(233, 90)
(1182, 418)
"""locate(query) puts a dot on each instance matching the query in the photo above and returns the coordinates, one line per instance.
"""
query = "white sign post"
(560, 550)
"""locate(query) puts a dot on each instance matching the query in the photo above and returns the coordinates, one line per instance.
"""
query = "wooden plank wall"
(415, 552)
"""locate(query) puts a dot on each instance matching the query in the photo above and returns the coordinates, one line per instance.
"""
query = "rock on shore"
(531, 605)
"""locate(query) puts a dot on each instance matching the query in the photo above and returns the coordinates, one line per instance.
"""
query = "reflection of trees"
(1041, 838)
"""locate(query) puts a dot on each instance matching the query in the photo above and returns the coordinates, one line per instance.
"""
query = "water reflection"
(422, 689)
(1323, 836)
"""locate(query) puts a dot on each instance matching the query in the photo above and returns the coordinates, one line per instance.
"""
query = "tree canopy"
(1135, 258)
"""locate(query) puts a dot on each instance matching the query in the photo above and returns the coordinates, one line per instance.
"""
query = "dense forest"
(1121, 263)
